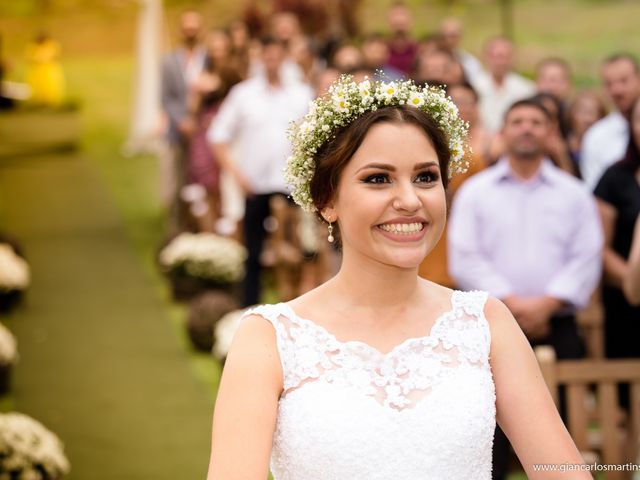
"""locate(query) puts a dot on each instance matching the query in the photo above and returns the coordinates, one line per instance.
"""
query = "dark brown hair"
(332, 158)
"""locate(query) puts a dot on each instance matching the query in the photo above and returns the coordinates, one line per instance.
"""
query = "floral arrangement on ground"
(224, 332)
(205, 256)
(30, 451)
(14, 270)
(8, 347)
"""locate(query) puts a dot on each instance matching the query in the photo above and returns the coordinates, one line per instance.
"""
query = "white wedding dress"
(425, 410)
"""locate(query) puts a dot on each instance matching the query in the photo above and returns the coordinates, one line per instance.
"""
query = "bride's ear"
(329, 214)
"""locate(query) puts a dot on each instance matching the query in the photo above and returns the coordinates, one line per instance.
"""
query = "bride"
(379, 374)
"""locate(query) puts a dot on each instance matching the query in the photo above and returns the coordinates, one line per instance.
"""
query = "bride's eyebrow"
(392, 168)
(379, 166)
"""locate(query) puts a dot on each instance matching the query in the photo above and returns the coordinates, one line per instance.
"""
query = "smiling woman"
(378, 373)
(390, 203)
(336, 155)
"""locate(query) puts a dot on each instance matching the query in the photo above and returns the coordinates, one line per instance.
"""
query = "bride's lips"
(396, 230)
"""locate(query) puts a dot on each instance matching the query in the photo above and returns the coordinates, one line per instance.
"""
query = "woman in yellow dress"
(44, 73)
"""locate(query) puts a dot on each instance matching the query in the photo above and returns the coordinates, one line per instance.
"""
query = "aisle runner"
(100, 364)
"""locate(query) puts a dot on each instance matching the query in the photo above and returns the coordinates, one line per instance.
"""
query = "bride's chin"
(408, 262)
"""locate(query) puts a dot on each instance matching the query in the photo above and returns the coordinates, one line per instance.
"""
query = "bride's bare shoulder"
(317, 299)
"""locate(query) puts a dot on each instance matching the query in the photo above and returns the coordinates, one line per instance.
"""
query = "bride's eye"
(376, 178)
(427, 176)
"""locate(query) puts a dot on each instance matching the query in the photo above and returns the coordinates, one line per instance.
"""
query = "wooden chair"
(602, 431)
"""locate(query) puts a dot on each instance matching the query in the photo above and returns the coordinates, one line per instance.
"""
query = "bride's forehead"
(401, 145)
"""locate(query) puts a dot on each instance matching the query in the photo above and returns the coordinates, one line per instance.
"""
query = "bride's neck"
(375, 285)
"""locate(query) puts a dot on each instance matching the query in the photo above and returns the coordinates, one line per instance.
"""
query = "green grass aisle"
(100, 364)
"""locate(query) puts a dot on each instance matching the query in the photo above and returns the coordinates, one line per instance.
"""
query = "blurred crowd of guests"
(546, 215)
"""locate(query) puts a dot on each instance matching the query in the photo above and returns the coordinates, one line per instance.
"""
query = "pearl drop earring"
(330, 237)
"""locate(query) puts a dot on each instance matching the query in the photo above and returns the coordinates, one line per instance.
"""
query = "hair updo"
(334, 156)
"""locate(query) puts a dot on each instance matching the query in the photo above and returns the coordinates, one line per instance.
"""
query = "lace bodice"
(424, 410)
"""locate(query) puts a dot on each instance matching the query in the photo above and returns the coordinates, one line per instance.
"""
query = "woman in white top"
(379, 374)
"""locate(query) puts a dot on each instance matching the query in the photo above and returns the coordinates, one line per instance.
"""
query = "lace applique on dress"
(397, 379)
(350, 388)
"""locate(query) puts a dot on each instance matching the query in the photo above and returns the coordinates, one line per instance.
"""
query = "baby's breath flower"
(348, 100)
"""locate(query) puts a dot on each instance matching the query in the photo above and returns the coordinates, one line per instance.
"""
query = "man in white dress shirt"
(256, 116)
(499, 86)
(606, 141)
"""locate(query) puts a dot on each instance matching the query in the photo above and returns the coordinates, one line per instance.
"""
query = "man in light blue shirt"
(526, 231)
(529, 234)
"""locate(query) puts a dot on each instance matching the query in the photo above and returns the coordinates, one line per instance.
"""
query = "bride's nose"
(406, 198)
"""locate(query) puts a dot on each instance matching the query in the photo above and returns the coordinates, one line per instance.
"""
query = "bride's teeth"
(402, 227)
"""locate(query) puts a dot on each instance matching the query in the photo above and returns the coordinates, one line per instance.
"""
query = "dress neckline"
(429, 338)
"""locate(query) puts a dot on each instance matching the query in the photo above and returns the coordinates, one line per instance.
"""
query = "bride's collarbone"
(381, 330)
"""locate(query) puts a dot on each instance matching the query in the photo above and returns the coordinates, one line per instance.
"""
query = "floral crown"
(348, 100)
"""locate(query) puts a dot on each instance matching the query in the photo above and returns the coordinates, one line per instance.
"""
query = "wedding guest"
(349, 17)
(430, 43)
(325, 79)
(585, 109)
(303, 54)
(451, 31)
(631, 282)
(375, 53)
(544, 213)
(435, 68)
(285, 28)
(402, 47)
(44, 72)
(499, 86)
(553, 76)
(180, 70)
(240, 46)
(466, 99)
(528, 233)
(457, 74)
(313, 16)
(207, 96)
(605, 142)
(557, 147)
(618, 195)
(256, 115)
(347, 58)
